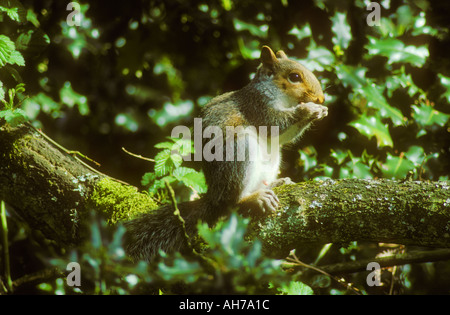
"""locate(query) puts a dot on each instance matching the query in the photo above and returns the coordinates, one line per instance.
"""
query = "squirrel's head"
(298, 83)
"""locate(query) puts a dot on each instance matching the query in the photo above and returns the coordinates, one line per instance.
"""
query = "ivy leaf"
(305, 32)
(375, 99)
(401, 80)
(426, 115)
(396, 51)
(415, 154)
(373, 127)
(445, 81)
(351, 75)
(228, 239)
(342, 30)
(318, 58)
(396, 166)
(255, 30)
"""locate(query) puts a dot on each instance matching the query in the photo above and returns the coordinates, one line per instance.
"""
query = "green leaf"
(7, 47)
(375, 99)
(165, 145)
(402, 80)
(396, 166)
(318, 58)
(415, 154)
(342, 30)
(373, 127)
(14, 117)
(42, 102)
(8, 52)
(339, 155)
(351, 76)
(229, 238)
(70, 98)
(258, 31)
(2, 92)
(148, 179)
(445, 81)
(308, 158)
(357, 169)
(183, 146)
(16, 58)
(396, 51)
(421, 28)
(33, 41)
(254, 254)
(176, 159)
(227, 4)
(296, 288)
(14, 9)
(426, 115)
(191, 178)
(181, 270)
(305, 32)
(163, 163)
(126, 120)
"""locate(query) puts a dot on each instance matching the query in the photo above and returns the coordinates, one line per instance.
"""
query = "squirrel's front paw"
(312, 110)
(262, 201)
(266, 201)
(281, 181)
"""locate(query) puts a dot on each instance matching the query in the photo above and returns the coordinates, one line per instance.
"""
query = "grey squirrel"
(283, 93)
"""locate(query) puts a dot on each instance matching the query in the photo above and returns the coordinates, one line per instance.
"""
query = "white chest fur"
(263, 162)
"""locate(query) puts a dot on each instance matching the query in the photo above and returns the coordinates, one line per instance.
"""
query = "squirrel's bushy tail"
(161, 229)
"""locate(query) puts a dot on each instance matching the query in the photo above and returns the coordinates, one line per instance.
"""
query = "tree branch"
(388, 261)
(53, 192)
(334, 211)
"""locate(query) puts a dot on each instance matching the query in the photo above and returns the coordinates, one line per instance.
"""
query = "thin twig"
(389, 261)
(177, 213)
(341, 281)
(138, 156)
(56, 144)
(74, 154)
(207, 263)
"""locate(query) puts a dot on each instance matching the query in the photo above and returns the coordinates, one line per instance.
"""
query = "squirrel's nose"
(320, 99)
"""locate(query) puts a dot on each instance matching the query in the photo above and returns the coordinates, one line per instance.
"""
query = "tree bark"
(339, 211)
(53, 191)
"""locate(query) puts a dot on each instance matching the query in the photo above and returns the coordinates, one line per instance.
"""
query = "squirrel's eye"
(295, 78)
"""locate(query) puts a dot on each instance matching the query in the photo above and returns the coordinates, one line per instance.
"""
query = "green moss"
(119, 202)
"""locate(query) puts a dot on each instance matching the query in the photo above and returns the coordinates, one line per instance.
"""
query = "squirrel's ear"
(281, 54)
(268, 57)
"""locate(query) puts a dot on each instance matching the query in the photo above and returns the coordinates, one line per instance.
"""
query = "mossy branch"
(336, 211)
(53, 192)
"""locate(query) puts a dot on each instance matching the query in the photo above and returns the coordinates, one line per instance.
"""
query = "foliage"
(12, 115)
(238, 267)
(168, 169)
(132, 70)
